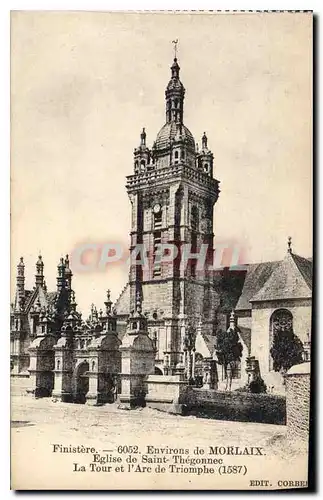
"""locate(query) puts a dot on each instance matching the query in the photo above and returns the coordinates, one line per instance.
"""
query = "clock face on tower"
(156, 208)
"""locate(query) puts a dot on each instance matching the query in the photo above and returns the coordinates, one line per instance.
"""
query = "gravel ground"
(38, 424)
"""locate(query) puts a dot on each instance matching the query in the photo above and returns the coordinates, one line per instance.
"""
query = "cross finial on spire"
(175, 42)
(289, 244)
(232, 319)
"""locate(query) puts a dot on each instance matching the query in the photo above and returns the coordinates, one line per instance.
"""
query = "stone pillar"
(172, 344)
(210, 378)
(297, 382)
(63, 390)
(193, 364)
(105, 367)
(137, 362)
(41, 366)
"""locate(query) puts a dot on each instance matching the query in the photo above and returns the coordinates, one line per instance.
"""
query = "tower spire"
(20, 283)
(39, 277)
(174, 93)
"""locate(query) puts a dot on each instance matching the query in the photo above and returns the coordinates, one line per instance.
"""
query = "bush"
(286, 351)
(257, 386)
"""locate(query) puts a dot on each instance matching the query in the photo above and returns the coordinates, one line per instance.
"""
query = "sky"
(84, 84)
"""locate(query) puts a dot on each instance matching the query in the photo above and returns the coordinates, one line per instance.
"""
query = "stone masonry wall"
(239, 406)
(298, 404)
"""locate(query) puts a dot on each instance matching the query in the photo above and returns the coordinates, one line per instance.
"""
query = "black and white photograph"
(161, 250)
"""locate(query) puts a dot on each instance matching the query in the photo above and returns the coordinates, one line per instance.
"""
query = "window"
(157, 242)
(280, 320)
(154, 338)
(35, 324)
(176, 154)
(194, 228)
(195, 219)
(182, 154)
(158, 220)
(193, 250)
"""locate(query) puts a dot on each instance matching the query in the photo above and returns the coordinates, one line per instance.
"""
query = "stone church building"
(172, 194)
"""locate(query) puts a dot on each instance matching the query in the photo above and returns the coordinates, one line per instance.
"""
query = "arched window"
(176, 154)
(206, 167)
(142, 165)
(182, 154)
(281, 320)
(93, 366)
(195, 219)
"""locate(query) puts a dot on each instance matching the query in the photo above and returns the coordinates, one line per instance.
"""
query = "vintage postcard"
(161, 247)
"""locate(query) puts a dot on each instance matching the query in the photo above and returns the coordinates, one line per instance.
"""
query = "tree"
(229, 352)
(286, 351)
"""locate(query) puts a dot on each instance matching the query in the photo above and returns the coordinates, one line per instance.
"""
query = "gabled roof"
(122, 304)
(45, 298)
(205, 344)
(305, 266)
(291, 279)
(51, 297)
(256, 276)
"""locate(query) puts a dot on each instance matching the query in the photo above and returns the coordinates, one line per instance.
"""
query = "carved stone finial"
(204, 141)
(289, 244)
(138, 302)
(232, 319)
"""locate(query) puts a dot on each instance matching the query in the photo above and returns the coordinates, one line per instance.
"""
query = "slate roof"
(291, 279)
(169, 131)
(260, 281)
(255, 278)
(122, 304)
(230, 287)
(51, 297)
(305, 266)
(209, 340)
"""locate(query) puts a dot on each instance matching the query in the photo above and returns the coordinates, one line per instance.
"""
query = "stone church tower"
(172, 194)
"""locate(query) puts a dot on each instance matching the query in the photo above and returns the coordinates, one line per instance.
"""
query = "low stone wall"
(297, 381)
(166, 393)
(239, 406)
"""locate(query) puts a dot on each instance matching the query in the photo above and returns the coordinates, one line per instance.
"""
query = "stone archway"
(81, 382)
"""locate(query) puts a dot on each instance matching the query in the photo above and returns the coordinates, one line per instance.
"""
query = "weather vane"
(175, 42)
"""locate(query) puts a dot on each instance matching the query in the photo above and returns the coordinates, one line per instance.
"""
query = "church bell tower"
(172, 193)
